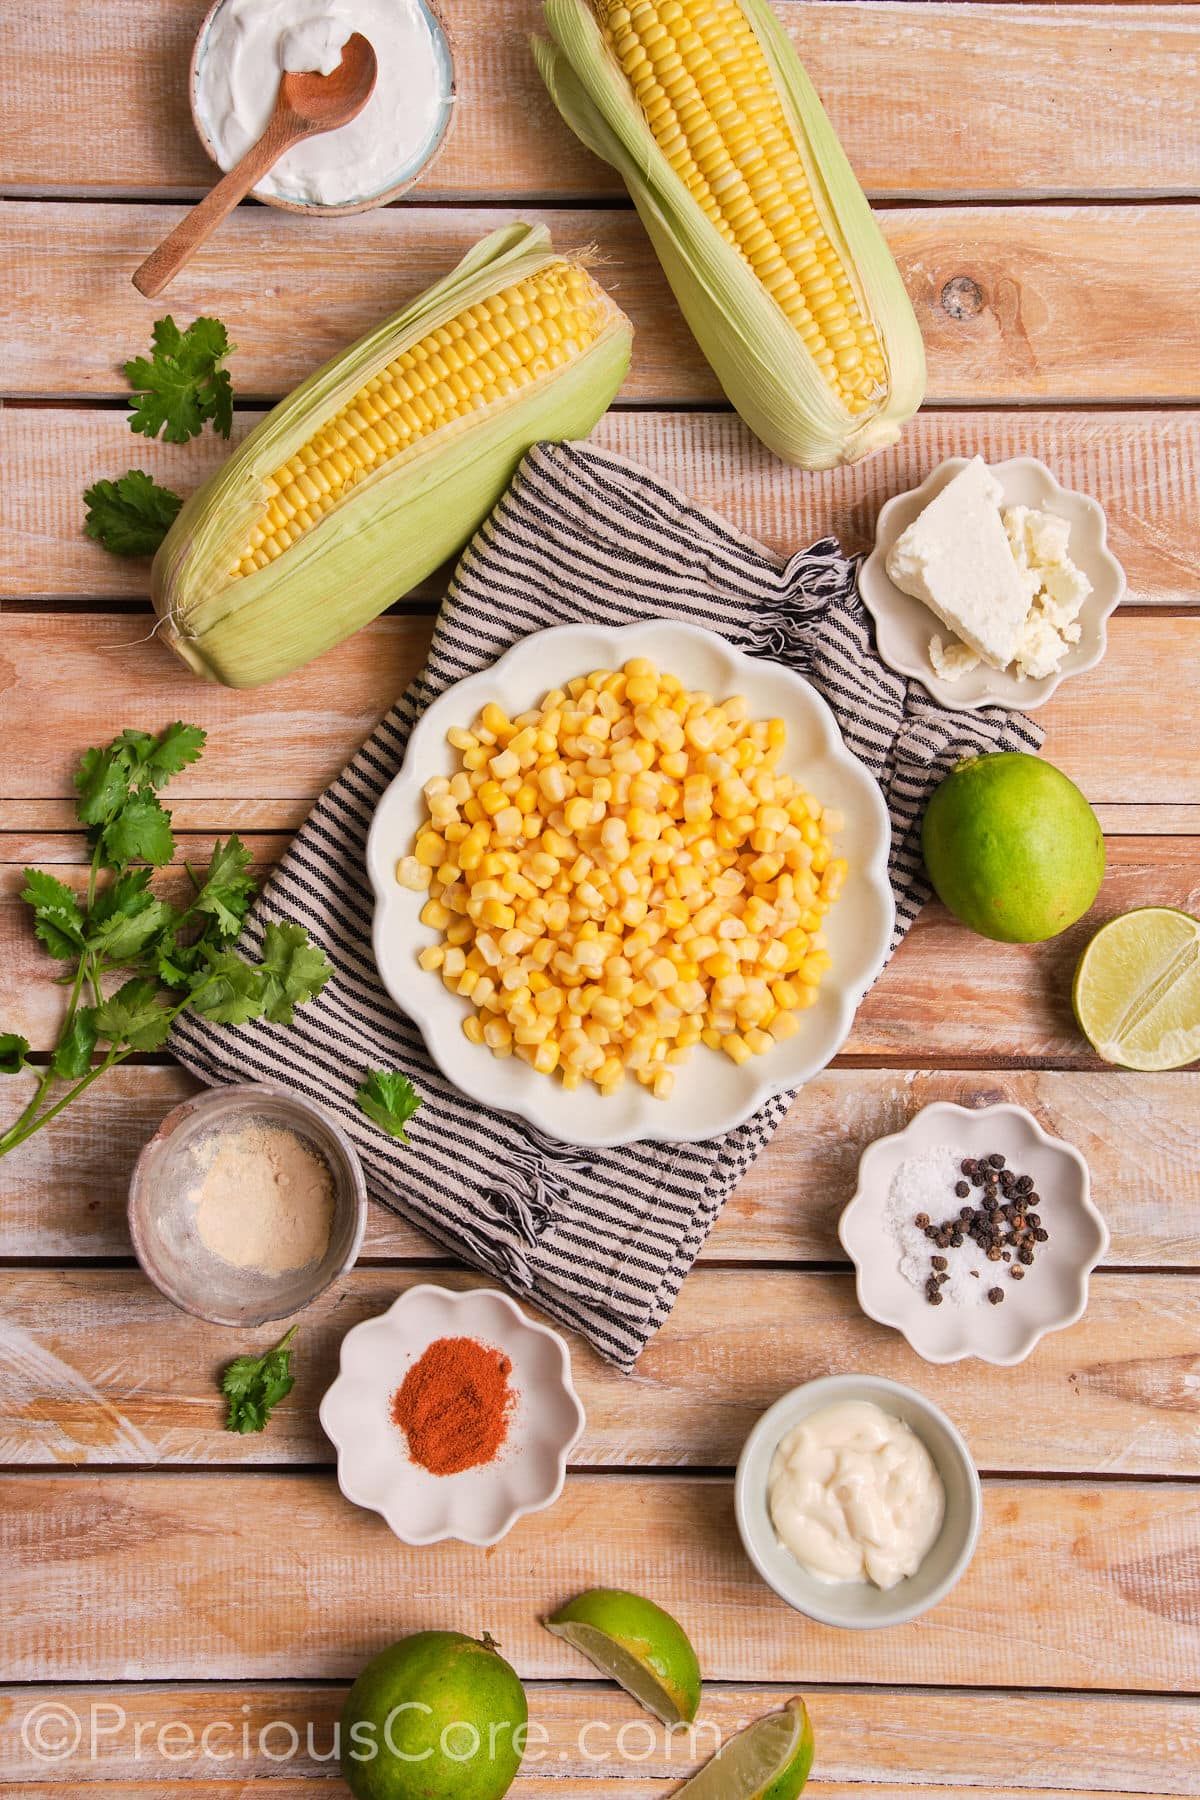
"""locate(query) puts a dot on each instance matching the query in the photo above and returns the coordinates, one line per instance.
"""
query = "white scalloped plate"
(480, 1505)
(1054, 1293)
(904, 625)
(712, 1094)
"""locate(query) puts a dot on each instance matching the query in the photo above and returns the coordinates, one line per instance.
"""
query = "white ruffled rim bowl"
(904, 625)
(712, 1094)
(1054, 1293)
(478, 1506)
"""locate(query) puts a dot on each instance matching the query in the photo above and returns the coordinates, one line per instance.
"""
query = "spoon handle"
(197, 226)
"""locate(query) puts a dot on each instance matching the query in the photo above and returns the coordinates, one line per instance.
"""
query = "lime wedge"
(1137, 989)
(638, 1645)
(770, 1760)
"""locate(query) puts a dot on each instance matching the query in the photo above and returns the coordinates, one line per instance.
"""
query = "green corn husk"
(758, 358)
(399, 522)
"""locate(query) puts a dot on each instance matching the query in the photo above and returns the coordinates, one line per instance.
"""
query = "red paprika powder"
(453, 1406)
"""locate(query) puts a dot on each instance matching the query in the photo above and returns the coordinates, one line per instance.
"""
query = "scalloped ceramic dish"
(904, 625)
(1055, 1291)
(712, 1094)
(479, 1505)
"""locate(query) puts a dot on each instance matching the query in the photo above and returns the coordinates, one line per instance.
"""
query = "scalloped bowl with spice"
(1015, 1235)
(453, 1415)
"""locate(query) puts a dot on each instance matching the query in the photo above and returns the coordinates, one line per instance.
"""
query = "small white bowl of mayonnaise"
(241, 52)
(857, 1501)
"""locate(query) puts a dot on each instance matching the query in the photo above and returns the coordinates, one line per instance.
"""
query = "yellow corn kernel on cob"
(387, 460)
(761, 227)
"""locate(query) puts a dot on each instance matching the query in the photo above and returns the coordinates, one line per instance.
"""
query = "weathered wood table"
(1042, 159)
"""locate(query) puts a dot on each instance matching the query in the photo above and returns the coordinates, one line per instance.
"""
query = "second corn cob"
(762, 230)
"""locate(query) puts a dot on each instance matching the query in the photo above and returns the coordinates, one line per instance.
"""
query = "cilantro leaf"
(58, 921)
(130, 516)
(126, 935)
(14, 1052)
(134, 1016)
(73, 1056)
(171, 752)
(102, 780)
(253, 1385)
(141, 832)
(182, 384)
(128, 894)
(177, 963)
(390, 1099)
(228, 887)
(293, 970)
(229, 991)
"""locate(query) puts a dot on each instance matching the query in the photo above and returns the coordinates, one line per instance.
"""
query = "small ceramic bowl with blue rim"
(273, 190)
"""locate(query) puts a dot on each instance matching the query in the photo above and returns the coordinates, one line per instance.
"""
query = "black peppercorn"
(1017, 1272)
(996, 1160)
(962, 1189)
(995, 1295)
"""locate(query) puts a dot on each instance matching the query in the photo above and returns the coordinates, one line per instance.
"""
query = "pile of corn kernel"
(621, 874)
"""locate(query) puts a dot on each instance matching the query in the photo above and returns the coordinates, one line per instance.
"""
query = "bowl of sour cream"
(858, 1501)
(245, 46)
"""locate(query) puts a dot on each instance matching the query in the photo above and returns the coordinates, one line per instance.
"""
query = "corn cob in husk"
(386, 461)
(762, 230)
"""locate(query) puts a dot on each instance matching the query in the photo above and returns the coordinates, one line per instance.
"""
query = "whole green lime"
(438, 1716)
(1012, 847)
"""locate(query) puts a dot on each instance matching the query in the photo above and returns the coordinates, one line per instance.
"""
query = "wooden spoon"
(307, 105)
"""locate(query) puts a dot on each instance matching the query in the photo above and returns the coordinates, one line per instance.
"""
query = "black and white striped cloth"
(600, 1239)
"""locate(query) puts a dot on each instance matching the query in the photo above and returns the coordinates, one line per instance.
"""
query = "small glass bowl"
(163, 1227)
(405, 178)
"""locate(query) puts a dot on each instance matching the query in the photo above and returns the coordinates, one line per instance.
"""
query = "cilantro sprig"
(253, 1385)
(168, 958)
(179, 388)
(183, 384)
(130, 516)
(390, 1099)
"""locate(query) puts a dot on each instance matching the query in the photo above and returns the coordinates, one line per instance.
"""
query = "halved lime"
(770, 1760)
(1137, 989)
(639, 1645)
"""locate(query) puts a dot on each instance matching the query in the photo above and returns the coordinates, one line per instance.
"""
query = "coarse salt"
(925, 1184)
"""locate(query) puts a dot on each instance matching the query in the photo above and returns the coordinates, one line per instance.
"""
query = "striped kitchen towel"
(600, 1239)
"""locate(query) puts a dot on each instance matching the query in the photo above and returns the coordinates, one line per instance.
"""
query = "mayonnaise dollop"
(854, 1495)
(251, 42)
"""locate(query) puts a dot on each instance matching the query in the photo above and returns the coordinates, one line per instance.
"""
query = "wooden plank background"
(930, 100)
(1046, 159)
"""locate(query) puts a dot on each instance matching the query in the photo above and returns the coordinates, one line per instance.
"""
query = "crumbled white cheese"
(956, 557)
(951, 660)
(1052, 588)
